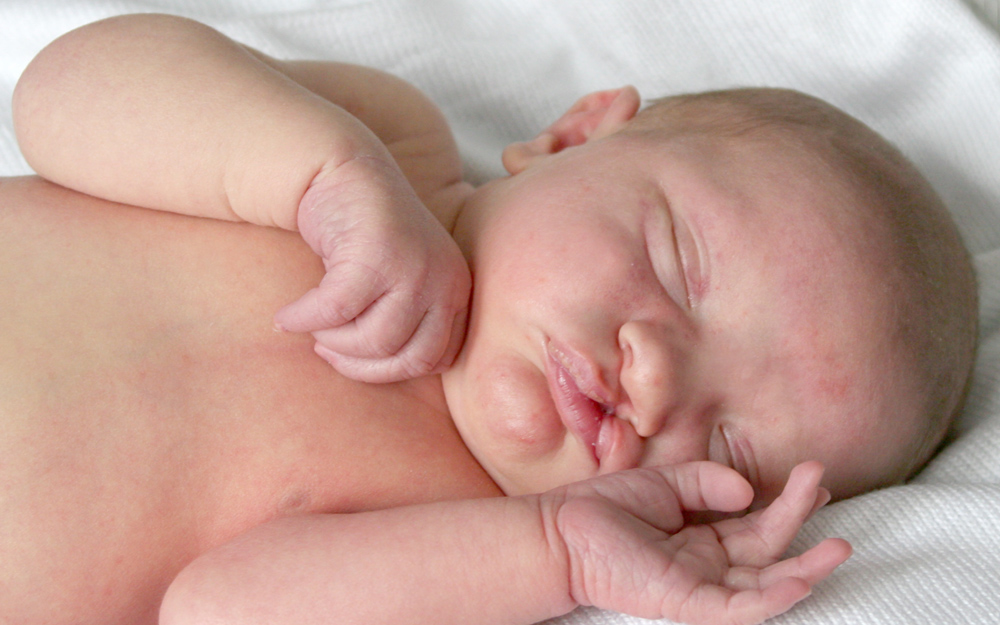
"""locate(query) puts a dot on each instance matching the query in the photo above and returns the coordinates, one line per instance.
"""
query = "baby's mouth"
(581, 414)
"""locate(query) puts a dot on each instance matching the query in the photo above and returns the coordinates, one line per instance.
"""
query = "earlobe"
(593, 116)
(519, 156)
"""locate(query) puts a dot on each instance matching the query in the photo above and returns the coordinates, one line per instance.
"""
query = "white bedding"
(926, 73)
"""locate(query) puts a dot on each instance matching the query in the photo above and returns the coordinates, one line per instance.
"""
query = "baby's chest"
(138, 348)
(148, 411)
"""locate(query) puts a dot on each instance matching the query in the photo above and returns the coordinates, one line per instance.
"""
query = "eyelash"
(683, 298)
(679, 261)
(730, 453)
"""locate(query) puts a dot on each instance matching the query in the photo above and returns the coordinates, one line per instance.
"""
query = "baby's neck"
(427, 392)
(448, 203)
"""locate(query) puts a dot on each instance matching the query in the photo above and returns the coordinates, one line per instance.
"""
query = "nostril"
(626, 350)
(646, 414)
(626, 413)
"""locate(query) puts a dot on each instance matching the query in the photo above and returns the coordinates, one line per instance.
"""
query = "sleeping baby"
(624, 375)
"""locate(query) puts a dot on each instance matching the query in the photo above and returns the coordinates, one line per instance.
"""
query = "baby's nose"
(653, 374)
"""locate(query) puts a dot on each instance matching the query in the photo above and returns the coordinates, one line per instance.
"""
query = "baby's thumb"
(708, 486)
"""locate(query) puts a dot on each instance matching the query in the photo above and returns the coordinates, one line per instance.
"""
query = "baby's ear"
(595, 115)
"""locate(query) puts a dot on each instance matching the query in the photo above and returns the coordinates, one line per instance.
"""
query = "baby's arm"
(617, 542)
(162, 112)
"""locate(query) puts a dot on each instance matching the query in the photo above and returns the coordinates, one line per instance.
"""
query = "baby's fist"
(394, 300)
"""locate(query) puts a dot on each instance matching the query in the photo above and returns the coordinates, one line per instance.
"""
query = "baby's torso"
(148, 410)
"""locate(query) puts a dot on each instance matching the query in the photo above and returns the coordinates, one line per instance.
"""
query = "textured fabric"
(989, 10)
(926, 73)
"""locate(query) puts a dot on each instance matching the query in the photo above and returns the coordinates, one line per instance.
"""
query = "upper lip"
(585, 373)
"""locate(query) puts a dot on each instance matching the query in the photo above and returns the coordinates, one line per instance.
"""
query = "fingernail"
(825, 496)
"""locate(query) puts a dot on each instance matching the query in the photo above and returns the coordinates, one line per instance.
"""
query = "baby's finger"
(344, 292)
(745, 607)
(729, 526)
(759, 539)
(380, 331)
(708, 486)
(372, 370)
(420, 356)
(659, 495)
(780, 522)
(813, 566)
(427, 349)
(823, 497)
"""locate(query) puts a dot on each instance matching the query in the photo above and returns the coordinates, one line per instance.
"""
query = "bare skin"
(154, 415)
(135, 443)
(146, 423)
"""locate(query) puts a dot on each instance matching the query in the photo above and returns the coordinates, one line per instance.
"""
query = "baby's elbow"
(196, 596)
(176, 608)
(32, 97)
(57, 85)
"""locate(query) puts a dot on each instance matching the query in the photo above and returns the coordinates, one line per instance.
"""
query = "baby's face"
(639, 303)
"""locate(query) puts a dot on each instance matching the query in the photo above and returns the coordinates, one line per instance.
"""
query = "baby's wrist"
(364, 175)
(553, 559)
(364, 190)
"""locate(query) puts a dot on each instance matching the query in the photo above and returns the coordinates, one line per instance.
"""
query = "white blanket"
(926, 73)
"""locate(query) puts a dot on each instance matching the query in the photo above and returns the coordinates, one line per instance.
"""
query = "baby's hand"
(630, 551)
(394, 300)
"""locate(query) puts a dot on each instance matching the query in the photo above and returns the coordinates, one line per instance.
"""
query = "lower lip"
(581, 415)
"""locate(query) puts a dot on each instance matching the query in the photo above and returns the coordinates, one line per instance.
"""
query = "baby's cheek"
(517, 409)
(516, 433)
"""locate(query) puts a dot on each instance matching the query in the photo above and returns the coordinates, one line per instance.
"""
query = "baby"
(750, 278)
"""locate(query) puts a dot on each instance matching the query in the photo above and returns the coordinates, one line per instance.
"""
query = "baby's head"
(748, 276)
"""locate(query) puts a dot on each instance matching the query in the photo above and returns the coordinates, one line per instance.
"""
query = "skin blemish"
(833, 378)
(294, 502)
(832, 387)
